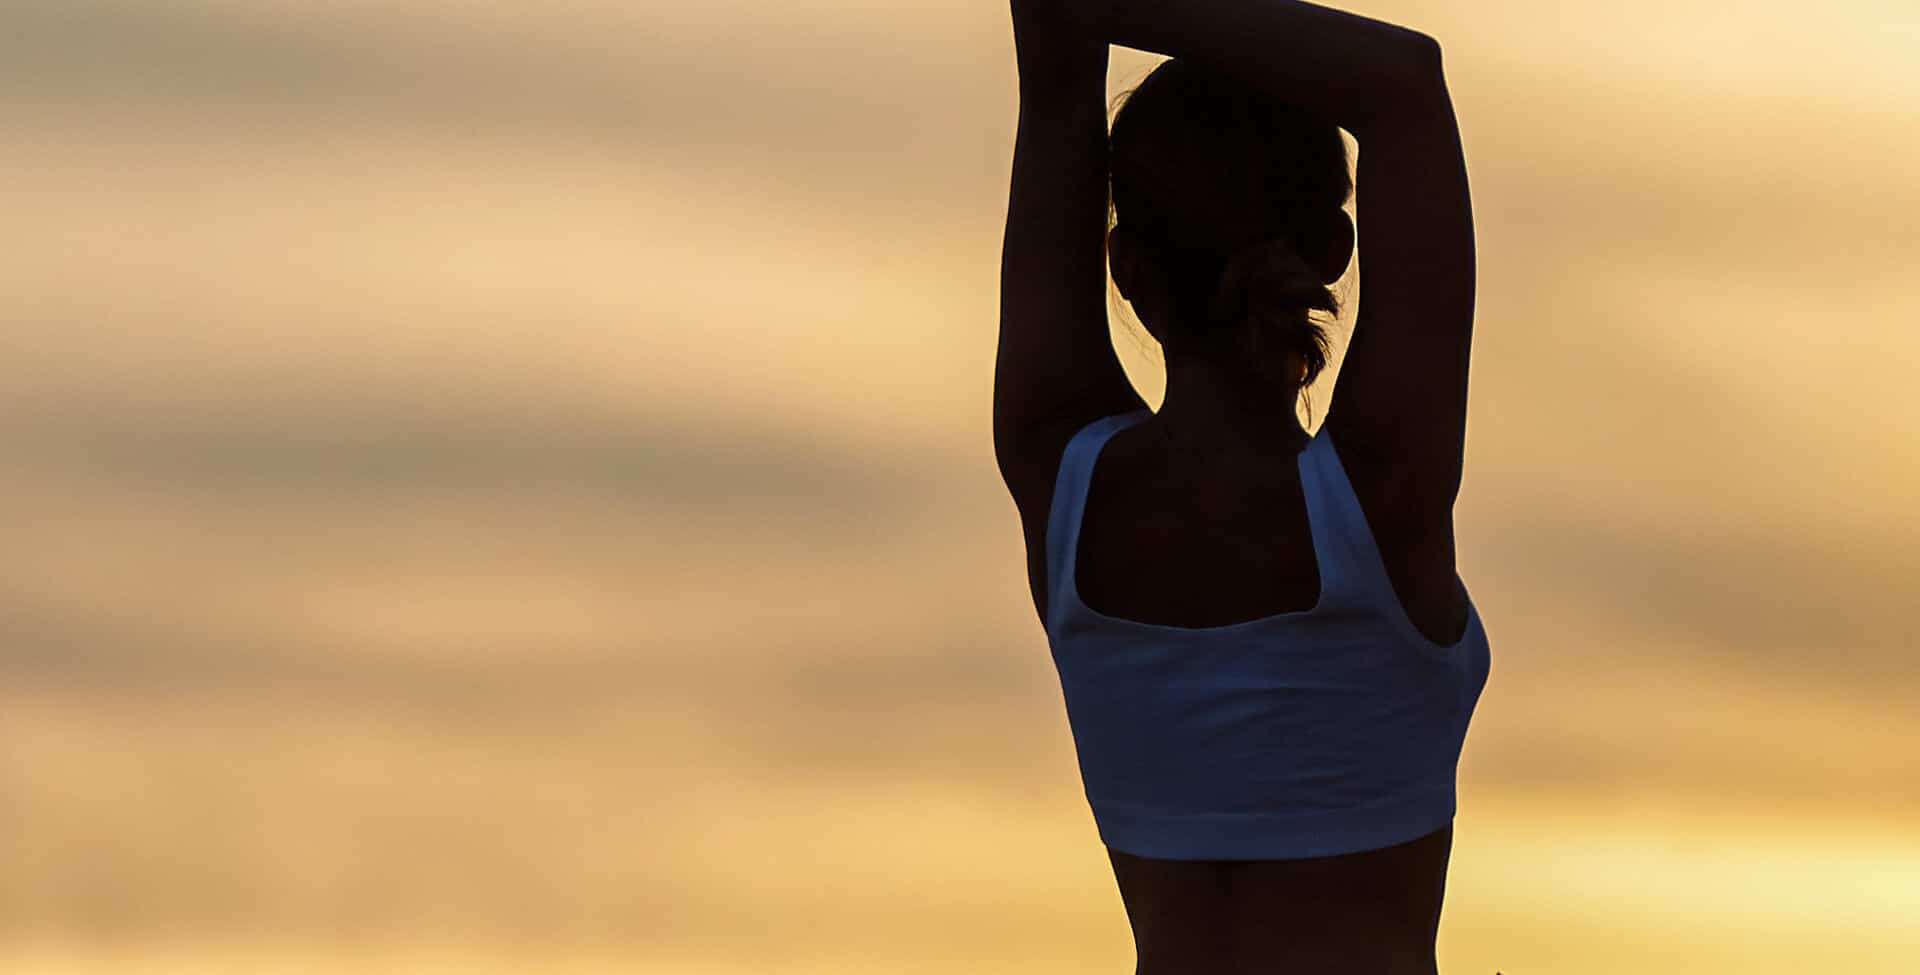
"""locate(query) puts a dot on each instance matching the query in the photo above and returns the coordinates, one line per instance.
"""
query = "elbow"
(1418, 68)
(1409, 85)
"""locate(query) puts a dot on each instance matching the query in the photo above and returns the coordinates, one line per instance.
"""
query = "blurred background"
(508, 487)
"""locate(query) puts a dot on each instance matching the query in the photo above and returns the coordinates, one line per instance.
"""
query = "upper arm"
(1401, 397)
(1055, 366)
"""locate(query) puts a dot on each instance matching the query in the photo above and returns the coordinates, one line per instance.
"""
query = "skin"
(1373, 913)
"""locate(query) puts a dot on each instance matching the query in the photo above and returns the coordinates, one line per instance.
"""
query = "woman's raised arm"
(1347, 69)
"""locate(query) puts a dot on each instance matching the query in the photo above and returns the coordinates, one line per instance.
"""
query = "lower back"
(1371, 913)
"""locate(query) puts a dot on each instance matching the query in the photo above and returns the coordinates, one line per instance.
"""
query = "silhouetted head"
(1227, 222)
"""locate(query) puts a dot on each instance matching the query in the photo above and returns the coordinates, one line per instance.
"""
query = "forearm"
(1345, 68)
(1056, 60)
(1074, 89)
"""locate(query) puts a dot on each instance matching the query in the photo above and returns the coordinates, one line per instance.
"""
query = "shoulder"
(1030, 456)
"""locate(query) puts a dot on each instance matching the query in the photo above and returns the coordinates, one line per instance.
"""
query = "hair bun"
(1267, 282)
(1269, 271)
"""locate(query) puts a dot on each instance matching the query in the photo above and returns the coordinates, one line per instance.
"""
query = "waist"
(1372, 911)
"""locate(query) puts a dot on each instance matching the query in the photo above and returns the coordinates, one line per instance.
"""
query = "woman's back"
(1177, 539)
(1174, 540)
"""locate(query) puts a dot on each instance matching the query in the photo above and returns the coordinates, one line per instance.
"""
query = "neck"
(1214, 409)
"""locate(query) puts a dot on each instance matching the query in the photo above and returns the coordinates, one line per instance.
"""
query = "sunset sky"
(500, 484)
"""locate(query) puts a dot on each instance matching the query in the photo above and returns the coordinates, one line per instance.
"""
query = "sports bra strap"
(1070, 492)
(1353, 575)
(1351, 540)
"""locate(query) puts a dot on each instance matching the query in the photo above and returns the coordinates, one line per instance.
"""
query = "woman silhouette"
(1268, 660)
